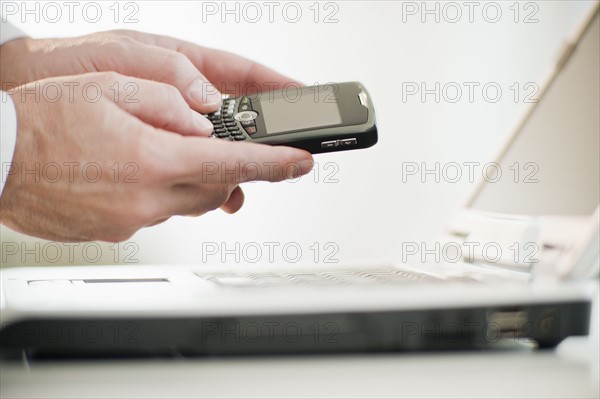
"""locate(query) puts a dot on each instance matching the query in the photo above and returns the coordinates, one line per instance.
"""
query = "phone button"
(245, 101)
(250, 130)
(246, 116)
(329, 144)
(347, 142)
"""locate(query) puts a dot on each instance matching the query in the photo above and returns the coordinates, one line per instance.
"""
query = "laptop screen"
(552, 167)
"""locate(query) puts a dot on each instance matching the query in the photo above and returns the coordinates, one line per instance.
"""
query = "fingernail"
(204, 93)
(202, 123)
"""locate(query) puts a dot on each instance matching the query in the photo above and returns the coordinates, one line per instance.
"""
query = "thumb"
(209, 160)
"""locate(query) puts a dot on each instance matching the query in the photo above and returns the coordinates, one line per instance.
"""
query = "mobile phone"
(323, 118)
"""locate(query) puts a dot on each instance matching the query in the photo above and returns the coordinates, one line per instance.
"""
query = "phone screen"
(300, 109)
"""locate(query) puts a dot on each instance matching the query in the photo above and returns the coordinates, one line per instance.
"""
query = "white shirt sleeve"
(8, 135)
(8, 114)
(8, 31)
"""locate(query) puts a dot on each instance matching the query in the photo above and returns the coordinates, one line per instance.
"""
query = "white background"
(355, 200)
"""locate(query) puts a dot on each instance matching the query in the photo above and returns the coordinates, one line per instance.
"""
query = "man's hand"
(101, 168)
(188, 67)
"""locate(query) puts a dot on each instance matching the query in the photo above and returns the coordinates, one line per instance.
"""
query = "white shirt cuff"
(8, 115)
(8, 135)
(8, 31)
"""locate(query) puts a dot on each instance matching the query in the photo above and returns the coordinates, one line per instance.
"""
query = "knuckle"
(144, 213)
(219, 197)
(179, 111)
(123, 220)
(122, 42)
(121, 33)
(139, 212)
(176, 59)
(107, 78)
(243, 160)
(150, 168)
(178, 65)
(113, 49)
(173, 97)
(116, 237)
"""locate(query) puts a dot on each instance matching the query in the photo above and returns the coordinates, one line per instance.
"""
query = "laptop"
(534, 281)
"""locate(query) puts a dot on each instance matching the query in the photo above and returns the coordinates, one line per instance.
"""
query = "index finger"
(231, 73)
(214, 161)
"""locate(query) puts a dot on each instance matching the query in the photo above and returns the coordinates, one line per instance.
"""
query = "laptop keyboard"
(334, 277)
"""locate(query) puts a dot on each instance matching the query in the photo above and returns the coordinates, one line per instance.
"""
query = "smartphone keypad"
(235, 117)
(224, 124)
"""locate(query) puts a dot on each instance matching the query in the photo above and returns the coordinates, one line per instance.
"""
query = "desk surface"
(502, 373)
